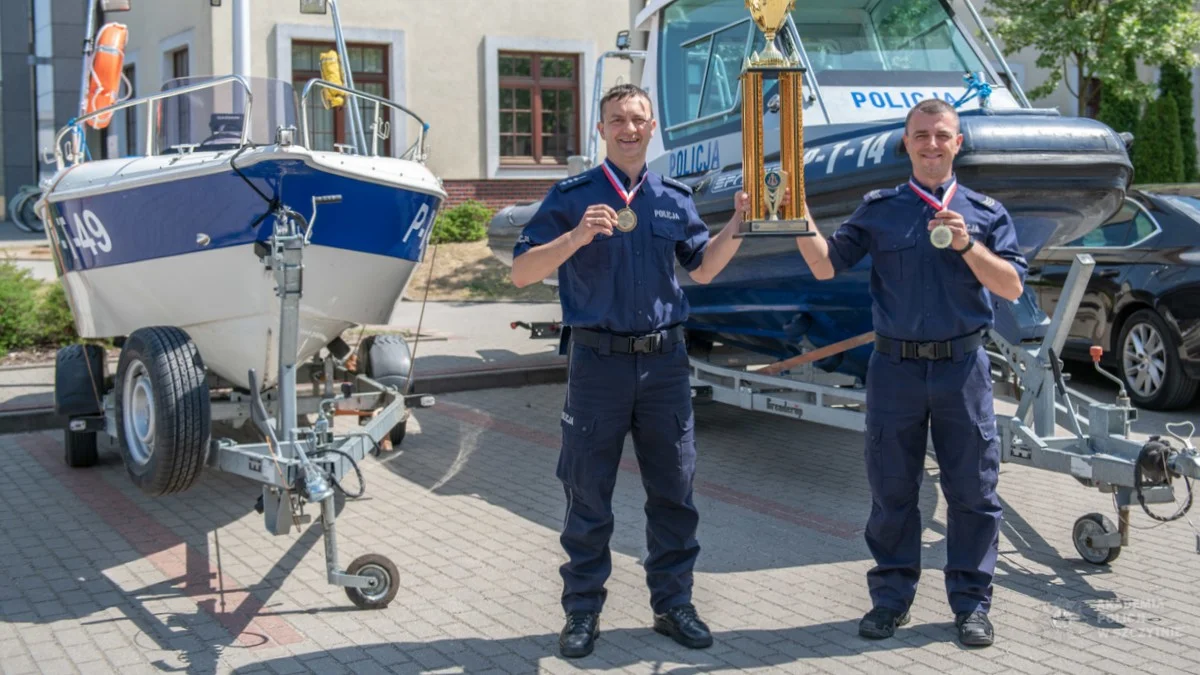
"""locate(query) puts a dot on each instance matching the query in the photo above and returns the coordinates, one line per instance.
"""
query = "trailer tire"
(80, 448)
(1088, 526)
(79, 380)
(386, 577)
(387, 360)
(163, 410)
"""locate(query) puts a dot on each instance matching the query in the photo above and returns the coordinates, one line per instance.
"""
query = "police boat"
(867, 62)
(225, 261)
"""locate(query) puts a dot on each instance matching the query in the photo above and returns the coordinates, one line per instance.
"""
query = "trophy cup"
(766, 187)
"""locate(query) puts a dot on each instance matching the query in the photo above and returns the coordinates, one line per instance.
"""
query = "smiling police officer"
(939, 251)
(614, 234)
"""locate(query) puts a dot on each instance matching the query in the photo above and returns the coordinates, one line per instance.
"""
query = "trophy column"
(752, 140)
(791, 140)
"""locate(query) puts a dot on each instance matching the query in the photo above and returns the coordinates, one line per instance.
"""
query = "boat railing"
(380, 129)
(76, 153)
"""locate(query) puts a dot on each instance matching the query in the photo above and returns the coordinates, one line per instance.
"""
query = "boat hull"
(184, 250)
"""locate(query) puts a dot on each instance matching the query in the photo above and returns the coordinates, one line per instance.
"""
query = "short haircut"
(933, 106)
(621, 92)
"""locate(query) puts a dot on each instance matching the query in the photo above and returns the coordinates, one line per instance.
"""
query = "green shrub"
(466, 222)
(1157, 150)
(32, 314)
(55, 322)
(1118, 112)
(1176, 82)
(18, 307)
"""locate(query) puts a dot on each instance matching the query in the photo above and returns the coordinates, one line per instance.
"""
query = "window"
(179, 69)
(1129, 226)
(131, 140)
(369, 66)
(539, 108)
(898, 36)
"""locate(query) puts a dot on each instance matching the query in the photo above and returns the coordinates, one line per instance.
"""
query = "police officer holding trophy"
(939, 251)
(614, 234)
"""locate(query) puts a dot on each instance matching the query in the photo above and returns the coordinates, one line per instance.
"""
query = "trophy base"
(796, 227)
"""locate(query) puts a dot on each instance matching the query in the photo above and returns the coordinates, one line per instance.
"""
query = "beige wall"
(155, 26)
(442, 65)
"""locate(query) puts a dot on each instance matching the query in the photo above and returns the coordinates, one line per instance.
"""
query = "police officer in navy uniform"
(939, 251)
(614, 234)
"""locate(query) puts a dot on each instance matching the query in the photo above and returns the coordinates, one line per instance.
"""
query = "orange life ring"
(107, 64)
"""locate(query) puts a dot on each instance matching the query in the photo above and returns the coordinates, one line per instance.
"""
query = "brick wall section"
(496, 194)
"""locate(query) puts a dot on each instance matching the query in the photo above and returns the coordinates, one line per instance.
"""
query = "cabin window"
(539, 108)
(703, 46)
(368, 66)
(900, 37)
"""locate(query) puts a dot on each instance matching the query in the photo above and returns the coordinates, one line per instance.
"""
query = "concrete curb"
(42, 418)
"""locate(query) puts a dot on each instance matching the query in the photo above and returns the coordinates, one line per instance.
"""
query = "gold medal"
(941, 236)
(626, 220)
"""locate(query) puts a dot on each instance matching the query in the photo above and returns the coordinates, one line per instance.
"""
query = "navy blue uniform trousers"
(906, 399)
(608, 396)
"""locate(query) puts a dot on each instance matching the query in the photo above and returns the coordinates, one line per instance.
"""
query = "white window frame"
(174, 43)
(286, 34)
(492, 46)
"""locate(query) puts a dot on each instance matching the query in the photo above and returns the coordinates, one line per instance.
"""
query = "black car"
(1143, 299)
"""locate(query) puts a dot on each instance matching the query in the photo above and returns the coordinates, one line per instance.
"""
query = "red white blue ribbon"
(930, 199)
(612, 178)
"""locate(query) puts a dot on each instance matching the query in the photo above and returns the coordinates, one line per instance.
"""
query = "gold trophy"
(767, 187)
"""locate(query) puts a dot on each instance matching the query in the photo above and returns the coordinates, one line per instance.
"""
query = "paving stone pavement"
(97, 578)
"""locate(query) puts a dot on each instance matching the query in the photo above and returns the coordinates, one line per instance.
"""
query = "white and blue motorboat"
(169, 238)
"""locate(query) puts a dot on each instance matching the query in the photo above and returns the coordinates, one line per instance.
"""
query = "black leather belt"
(658, 341)
(933, 351)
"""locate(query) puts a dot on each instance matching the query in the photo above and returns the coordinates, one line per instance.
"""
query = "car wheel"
(1149, 364)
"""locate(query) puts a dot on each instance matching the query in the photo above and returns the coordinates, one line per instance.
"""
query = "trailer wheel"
(163, 410)
(1091, 525)
(80, 448)
(396, 435)
(386, 581)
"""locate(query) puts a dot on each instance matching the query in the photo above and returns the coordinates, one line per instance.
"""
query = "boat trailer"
(297, 464)
(1096, 449)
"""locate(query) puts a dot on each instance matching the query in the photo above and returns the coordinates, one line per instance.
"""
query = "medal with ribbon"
(626, 218)
(941, 236)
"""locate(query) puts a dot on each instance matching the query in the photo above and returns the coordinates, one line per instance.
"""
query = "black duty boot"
(881, 622)
(578, 636)
(974, 629)
(683, 625)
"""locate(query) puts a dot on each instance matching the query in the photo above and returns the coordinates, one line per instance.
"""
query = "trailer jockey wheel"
(1094, 525)
(386, 580)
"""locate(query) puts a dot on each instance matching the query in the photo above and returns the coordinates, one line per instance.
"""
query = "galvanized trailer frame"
(299, 465)
(1098, 449)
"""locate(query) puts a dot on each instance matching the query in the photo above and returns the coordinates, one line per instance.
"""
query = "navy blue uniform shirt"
(624, 283)
(921, 293)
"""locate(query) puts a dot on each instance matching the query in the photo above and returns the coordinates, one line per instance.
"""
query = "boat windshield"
(853, 42)
(213, 118)
(703, 45)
